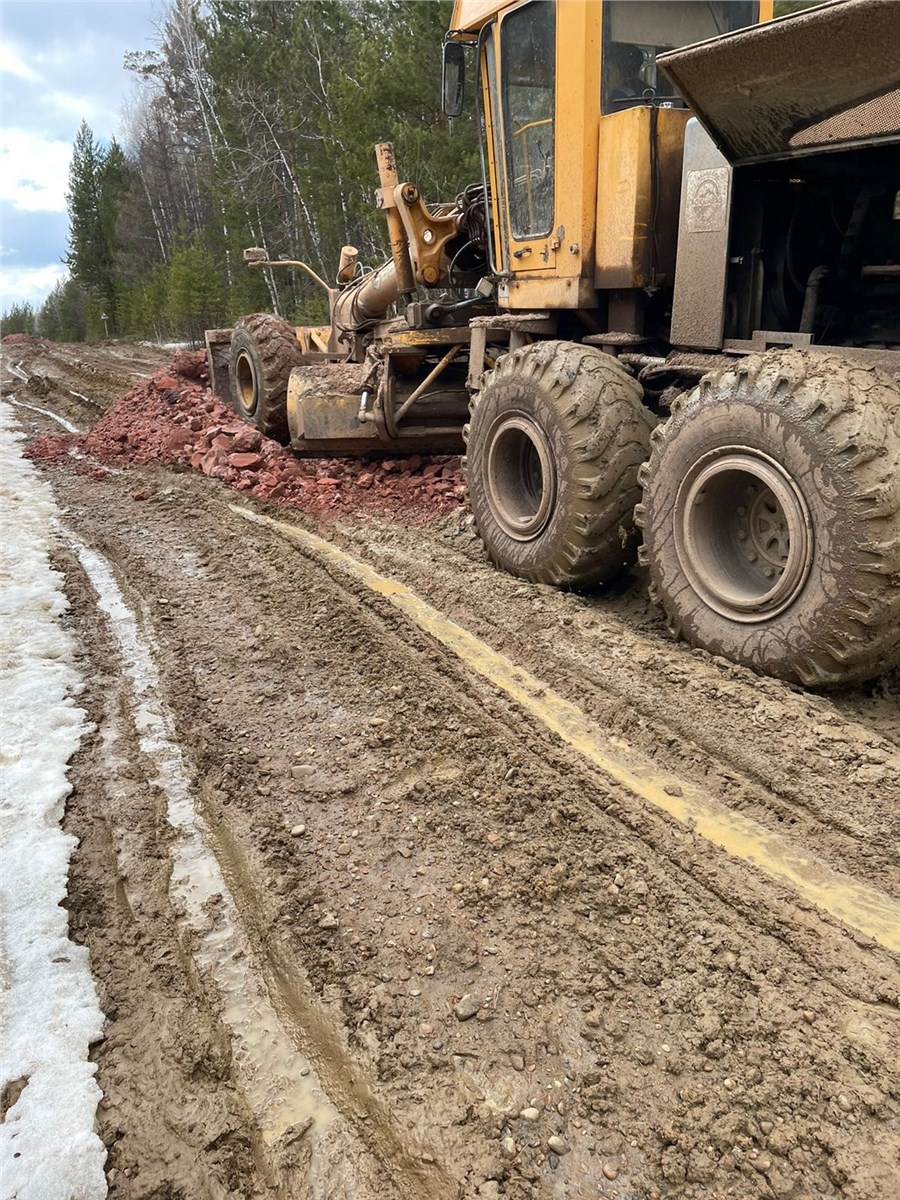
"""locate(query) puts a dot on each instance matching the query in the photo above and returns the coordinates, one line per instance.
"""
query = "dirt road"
(366, 924)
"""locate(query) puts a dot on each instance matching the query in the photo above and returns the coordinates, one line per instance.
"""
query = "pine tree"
(98, 181)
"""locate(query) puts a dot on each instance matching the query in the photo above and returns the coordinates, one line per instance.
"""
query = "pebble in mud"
(466, 1007)
(610, 1169)
(508, 1147)
(298, 831)
(530, 1114)
(558, 1145)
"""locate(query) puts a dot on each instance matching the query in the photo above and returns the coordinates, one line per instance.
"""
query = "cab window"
(528, 82)
(636, 31)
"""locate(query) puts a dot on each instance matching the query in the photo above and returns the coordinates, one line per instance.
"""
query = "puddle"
(279, 1084)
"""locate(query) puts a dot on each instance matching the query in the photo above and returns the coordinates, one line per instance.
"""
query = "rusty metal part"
(218, 347)
(365, 302)
(347, 265)
(743, 534)
(835, 67)
(384, 199)
(255, 256)
(427, 233)
(426, 382)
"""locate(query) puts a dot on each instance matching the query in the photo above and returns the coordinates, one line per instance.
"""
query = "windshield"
(635, 32)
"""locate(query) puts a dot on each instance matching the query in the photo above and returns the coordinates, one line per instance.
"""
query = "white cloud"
(31, 285)
(34, 170)
(12, 63)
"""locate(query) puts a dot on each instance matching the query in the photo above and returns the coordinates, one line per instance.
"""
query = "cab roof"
(470, 15)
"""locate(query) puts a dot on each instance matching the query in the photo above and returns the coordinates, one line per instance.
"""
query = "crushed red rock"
(19, 339)
(173, 419)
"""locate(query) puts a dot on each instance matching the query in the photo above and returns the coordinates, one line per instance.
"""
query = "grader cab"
(669, 312)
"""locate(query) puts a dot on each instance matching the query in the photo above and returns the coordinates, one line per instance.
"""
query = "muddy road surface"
(402, 878)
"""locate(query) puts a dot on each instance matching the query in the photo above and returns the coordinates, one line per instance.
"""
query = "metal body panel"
(323, 402)
(761, 92)
(698, 308)
(624, 255)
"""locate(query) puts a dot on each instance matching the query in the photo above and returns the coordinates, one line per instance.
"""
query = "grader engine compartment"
(815, 249)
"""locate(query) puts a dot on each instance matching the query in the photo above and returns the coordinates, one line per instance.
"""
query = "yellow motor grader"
(669, 312)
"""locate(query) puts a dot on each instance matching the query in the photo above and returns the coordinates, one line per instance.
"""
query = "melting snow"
(49, 1012)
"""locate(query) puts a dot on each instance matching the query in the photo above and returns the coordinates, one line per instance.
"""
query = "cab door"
(519, 78)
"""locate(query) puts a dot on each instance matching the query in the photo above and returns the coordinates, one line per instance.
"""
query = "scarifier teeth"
(643, 475)
(640, 513)
(464, 463)
(643, 556)
(653, 593)
(465, 432)
(656, 435)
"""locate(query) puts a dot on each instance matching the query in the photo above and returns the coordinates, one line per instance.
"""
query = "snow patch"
(49, 1012)
(46, 412)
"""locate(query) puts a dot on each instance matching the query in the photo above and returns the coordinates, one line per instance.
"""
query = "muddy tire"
(553, 448)
(264, 349)
(771, 517)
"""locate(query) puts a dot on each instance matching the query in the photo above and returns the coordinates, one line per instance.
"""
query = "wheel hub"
(743, 534)
(245, 374)
(521, 477)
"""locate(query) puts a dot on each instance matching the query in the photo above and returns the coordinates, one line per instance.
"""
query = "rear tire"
(771, 517)
(552, 453)
(264, 350)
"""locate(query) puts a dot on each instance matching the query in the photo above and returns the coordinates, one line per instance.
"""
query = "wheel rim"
(521, 477)
(245, 378)
(743, 534)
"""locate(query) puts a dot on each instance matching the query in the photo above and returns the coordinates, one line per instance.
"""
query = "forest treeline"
(251, 124)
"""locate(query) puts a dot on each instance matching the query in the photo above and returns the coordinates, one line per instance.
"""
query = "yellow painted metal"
(603, 203)
(625, 199)
(864, 908)
(470, 15)
(565, 256)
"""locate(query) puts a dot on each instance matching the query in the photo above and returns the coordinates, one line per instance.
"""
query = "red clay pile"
(19, 339)
(173, 418)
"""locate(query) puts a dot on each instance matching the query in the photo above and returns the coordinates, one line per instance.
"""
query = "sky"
(60, 62)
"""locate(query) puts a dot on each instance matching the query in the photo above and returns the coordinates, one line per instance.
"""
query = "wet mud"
(506, 973)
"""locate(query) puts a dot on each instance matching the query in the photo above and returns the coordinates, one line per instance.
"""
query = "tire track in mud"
(349, 641)
(812, 935)
(272, 1025)
(659, 696)
(868, 911)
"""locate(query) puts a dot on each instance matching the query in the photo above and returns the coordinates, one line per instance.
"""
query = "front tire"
(552, 453)
(771, 517)
(264, 350)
